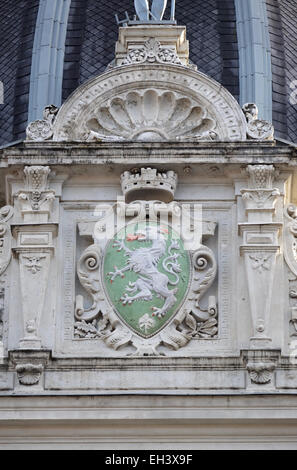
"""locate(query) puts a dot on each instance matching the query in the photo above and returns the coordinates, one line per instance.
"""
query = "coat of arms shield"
(146, 273)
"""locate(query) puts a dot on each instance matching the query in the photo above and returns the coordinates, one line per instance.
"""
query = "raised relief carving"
(151, 102)
(150, 115)
(257, 129)
(152, 52)
(261, 372)
(145, 289)
(6, 214)
(42, 129)
(261, 261)
(33, 263)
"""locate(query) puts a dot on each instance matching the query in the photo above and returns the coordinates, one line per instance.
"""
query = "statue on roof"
(145, 13)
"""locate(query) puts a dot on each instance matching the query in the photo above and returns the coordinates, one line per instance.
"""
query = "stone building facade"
(148, 267)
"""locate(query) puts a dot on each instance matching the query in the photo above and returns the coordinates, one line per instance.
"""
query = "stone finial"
(149, 184)
(257, 129)
(42, 129)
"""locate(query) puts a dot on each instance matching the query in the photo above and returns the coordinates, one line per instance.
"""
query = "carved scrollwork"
(199, 322)
(102, 319)
(89, 275)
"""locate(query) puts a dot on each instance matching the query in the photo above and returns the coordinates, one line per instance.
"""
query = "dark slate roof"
(92, 33)
(288, 11)
(17, 27)
(90, 42)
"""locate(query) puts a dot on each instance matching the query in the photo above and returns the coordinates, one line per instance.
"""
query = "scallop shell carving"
(150, 116)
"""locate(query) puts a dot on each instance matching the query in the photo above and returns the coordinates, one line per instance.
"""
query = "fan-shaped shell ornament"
(150, 116)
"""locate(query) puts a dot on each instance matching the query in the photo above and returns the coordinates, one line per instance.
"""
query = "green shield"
(146, 274)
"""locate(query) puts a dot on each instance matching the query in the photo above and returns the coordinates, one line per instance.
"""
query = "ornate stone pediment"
(150, 103)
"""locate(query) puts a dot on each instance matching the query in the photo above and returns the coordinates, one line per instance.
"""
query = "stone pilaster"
(34, 248)
(260, 248)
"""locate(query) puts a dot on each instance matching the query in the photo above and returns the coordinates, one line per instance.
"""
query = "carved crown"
(148, 184)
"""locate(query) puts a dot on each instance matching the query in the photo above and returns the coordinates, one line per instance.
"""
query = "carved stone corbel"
(29, 366)
(260, 247)
(260, 372)
(260, 366)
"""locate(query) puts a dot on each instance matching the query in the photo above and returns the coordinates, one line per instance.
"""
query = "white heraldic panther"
(144, 262)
